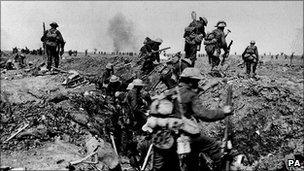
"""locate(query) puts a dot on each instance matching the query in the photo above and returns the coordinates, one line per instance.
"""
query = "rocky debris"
(46, 122)
(268, 123)
(267, 118)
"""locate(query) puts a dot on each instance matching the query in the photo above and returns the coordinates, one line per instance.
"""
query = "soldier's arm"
(60, 38)
(204, 114)
(223, 42)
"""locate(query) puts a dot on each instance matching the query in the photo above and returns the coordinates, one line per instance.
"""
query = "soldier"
(138, 102)
(155, 47)
(215, 41)
(70, 52)
(103, 81)
(277, 56)
(291, 58)
(194, 34)
(113, 86)
(54, 43)
(191, 106)
(9, 65)
(146, 56)
(251, 58)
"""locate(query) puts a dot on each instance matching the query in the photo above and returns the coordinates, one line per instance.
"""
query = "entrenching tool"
(228, 31)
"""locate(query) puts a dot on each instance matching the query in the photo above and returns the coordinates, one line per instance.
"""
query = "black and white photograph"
(152, 86)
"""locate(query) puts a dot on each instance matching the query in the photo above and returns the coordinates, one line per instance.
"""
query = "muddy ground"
(267, 122)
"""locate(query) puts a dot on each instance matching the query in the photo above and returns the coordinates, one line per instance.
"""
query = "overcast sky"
(273, 25)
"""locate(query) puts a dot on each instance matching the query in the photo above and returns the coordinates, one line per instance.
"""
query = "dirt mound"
(267, 119)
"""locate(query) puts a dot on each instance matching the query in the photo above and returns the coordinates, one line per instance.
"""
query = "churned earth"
(267, 125)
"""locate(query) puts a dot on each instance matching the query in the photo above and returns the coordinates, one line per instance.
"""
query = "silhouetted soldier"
(54, 45)
(194, 35)
(215, 41)
(86, 52)
(251, 58)
(291, 58)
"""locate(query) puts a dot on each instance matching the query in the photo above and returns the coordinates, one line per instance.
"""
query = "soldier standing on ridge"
(251, 58)
(215, 41)
(155, 47)
(146, 56)
(54, 43)
(194, 35)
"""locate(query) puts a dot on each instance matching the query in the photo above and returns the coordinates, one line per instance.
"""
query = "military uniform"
(194, 34)
(138, 102)
(104, 80)
(155, 47)
(251, 58)
(174, 67)
(191, 104)
(214, 42)
(146, 56)
(54, 43)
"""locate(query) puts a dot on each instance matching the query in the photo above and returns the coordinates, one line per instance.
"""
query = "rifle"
(226, 143)
(150, 53)
(226, 54)
(44, 46)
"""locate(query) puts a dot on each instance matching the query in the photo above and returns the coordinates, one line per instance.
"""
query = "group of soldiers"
(27, 51)
(168, 121)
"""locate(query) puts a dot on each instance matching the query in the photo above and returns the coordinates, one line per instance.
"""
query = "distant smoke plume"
(122, 32)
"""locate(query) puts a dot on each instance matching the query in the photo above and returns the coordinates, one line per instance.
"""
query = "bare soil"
(267, 122)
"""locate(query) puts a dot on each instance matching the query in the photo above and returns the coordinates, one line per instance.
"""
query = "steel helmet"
(204, 19)
(187, 60)
(114, 79)
(130, 86)
(158, 40)
(191, 72)
(221, 24)
(147, 40)
(252, 42)
(54, 24)
(138, 82)
(109, 66)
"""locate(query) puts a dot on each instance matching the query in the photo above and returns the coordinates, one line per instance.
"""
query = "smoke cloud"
(122, 32)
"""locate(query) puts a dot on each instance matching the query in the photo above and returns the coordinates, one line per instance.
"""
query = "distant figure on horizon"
(251, 58)
(54, 44)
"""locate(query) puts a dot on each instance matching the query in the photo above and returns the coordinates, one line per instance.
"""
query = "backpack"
(51, 37)
(210, 43)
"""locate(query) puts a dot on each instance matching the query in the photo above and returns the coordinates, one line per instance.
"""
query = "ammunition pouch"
(250, 57)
